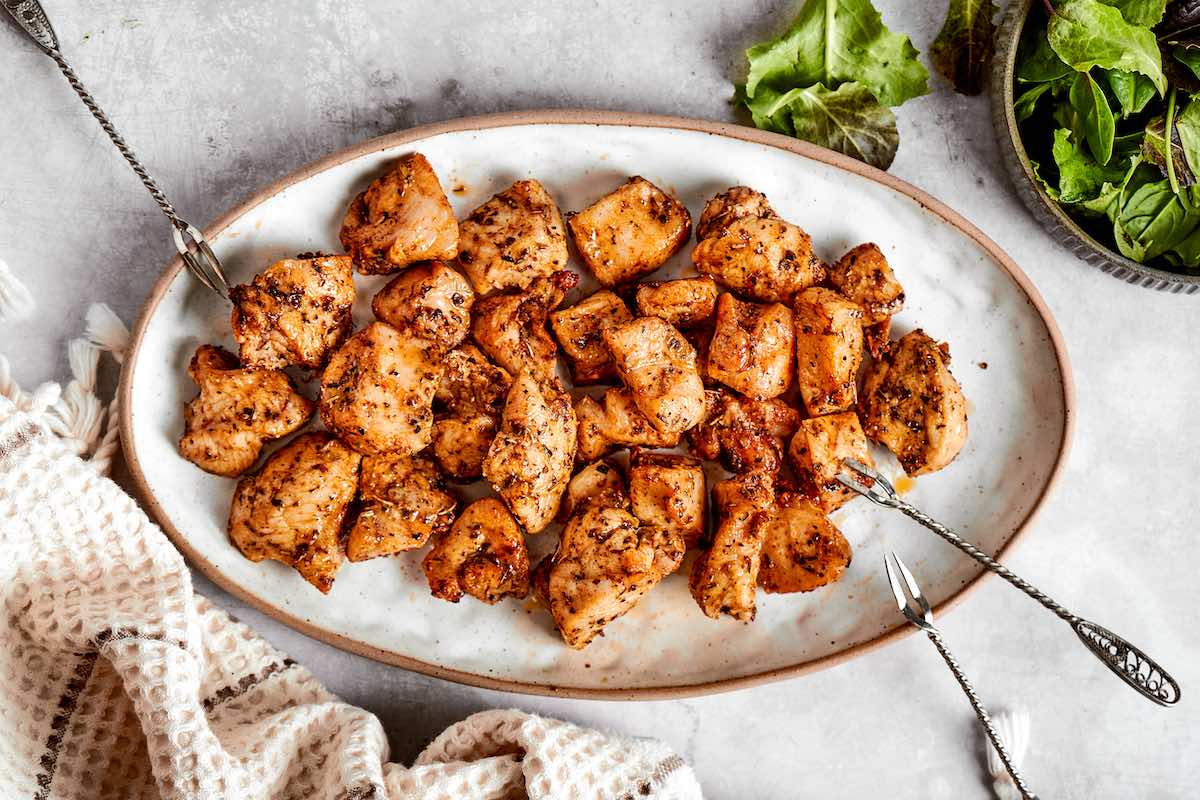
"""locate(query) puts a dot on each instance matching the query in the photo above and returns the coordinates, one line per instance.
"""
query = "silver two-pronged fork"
(1126, 661)
(915, 608)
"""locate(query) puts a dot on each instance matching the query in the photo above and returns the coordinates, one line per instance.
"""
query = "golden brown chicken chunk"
(668, 491)
(431, 301)
(829, 350)
(817, 451)
(483, 555)
(402, 503)
(294, 313)
(615, 422)
(762, 258)
(913, 406)
(630, 232)
(604, 564)
(801, 550)
(237, 411)
(511, 328)
(377, 392)
(723, 579)
(530, 460)
(701, 339)
(598, 485)
(864, 277)
(732, 204)
(751, 347)
(659, 367)
(468, 402)
(513, 239)
(744, 434)
(580, 332)
(403, 217)
(292, 510)
(685, 302)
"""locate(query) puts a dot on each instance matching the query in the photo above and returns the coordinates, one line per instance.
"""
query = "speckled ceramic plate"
(961, 288)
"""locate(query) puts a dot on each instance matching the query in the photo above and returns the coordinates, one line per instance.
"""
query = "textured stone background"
(222, 98)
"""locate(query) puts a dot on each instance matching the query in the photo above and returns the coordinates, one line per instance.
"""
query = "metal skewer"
(1126, 661)
(189, 241)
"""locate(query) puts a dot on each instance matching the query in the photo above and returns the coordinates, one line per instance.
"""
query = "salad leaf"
(1189, 56)
(849, 120)
(1080, 178)
(1185, 144)
(1095, 117)
(1146, 13)
(964, 46)
(1087, 33)
(833, 42)
(1036, 60)
(1131, 90)
(1152, 221)
(1026, 104)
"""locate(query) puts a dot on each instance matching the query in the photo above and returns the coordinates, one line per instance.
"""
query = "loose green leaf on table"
(1088, 33)
(1146, 13)
(849, 120)
(1095, 117)
(1131, 90)
(963, 48)
(1080, 178)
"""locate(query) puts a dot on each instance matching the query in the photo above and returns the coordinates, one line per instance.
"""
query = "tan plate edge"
(585, 117)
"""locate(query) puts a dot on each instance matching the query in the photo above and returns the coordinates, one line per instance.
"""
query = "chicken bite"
(829, 350)
(511, 328)
(751, 347)
(605, 563)
(580, 332)
(802, 550)
(864, 277)
(529, 462)
(402, 503)
(292, 510)
(468, 402)
(817, 452)
(237, 411)
(615, 422)
(659, 366)
(684, 302)
(430, 301)
(630, 232)
(403, 217)
(293, 313)
(743, 433)
(913, 406)
(598, 485)
(668, 491)
(377, 392)
(513, 239)
(724, 578)
(483, 555)
(736, 202)
(763, 258)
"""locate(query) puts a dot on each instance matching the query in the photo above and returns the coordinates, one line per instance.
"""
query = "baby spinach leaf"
(1026, 104)
(1087, 33)
(1131, 90)
(849, 120)
(1080, 178)
(1036, 60)
(963, 48)
(1189, 56)
(1146, 13)
(1185, 144)
(1095, 116)
(1152, 221)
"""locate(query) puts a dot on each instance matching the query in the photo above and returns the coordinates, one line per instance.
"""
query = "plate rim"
(609, 119)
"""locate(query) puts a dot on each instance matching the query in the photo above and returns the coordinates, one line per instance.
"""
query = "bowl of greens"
(1098, 108)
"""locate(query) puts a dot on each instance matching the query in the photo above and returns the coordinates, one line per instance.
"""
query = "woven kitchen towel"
(117, 681)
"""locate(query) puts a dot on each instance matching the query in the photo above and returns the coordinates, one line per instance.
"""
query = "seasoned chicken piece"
(529, 462)
(659, 367)
(580, 332)
(513, 239)
(377, 392)
(402, 503)
(237, 411)
(802, 550)
(468, 403)
(605, 563)
(829, 350)
(668, 491)
(482, 555)
(817, 451)
(685, 302)
(744, 434)
(701, 339)
(630, 232)
(724, 577)
(751, 347)
(294, 313)
(511, 328)
(913, 406)
(460, 444)
(430, 301)
(616, 422)
(864, 277)
(403, 217)
(762, 258)
(292, 510)
(732, 204)
(598, 485)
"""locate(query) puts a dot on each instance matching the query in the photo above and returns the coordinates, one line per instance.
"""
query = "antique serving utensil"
(193, 249)
(1126, 661)
(915, 608)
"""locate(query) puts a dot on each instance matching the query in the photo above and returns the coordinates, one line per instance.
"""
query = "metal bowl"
(1055, 220)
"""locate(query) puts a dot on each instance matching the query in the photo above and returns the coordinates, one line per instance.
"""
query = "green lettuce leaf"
(849, 120)
(1026, 104)
(1036, 60)
(1087, 33)
(1131, 90)
(1080, 178)
(1185, 144)
(1146, 13)
(1095, 116)
(963, 48)
(1189, 56)
(1153, 220)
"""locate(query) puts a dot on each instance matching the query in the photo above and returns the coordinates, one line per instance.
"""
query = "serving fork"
(1127, 662)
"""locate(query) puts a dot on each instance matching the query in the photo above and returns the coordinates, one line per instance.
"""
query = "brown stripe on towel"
(14, 441)
(245, 684)
(660, 773)
(61, 721)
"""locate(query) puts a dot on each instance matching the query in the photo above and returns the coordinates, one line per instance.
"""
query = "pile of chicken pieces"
(753, 363)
